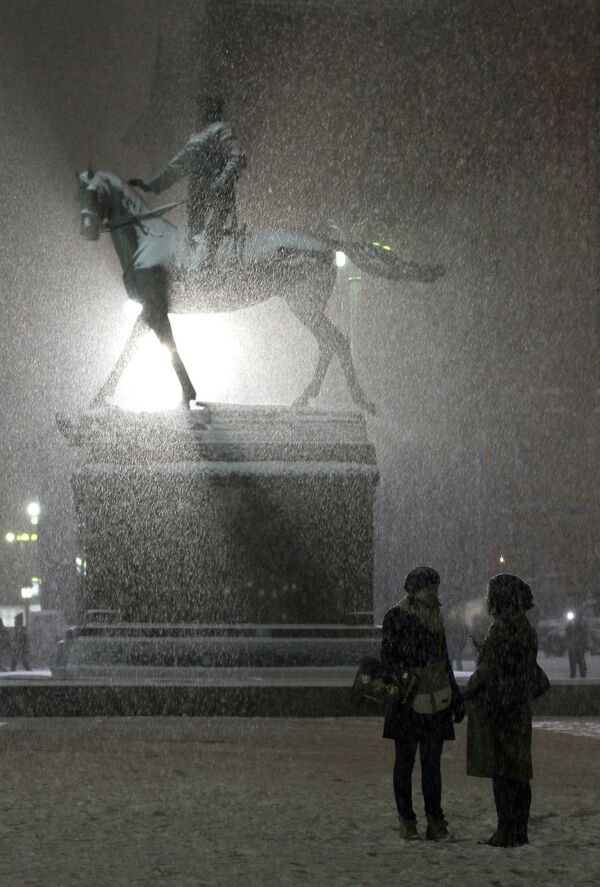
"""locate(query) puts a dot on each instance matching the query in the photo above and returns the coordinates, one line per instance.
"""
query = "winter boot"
(498, 839)
(517, 836)
(437, 829)
(408, 829)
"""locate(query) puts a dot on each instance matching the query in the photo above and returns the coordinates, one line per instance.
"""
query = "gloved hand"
(458, 710)
(139, 183)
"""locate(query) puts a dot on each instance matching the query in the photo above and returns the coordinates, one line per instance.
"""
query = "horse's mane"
(132, 201)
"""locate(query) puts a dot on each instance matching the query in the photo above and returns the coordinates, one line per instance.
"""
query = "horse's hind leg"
(331, 342)
(109, 387)
(314, 386)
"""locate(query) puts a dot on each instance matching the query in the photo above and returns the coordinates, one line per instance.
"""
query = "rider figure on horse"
(213, 161)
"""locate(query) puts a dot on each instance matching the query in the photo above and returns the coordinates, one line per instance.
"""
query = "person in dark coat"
(577, 644)
(414, 645)
(20, 645)
(499, 712)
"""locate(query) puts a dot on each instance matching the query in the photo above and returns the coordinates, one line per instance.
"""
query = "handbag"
(509, 691)
(374, 686)
(540, 682)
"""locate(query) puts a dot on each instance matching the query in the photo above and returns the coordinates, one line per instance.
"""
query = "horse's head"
(93, 203)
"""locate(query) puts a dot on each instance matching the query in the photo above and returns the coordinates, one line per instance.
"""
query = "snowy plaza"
(300, 399)
(211, 802)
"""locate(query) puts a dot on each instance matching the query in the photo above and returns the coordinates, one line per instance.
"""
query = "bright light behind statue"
(149, 383)
(131, 309)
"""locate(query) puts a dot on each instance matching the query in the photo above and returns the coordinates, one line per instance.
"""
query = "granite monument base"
(241, 541)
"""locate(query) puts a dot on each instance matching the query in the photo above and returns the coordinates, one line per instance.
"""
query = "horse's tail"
(383, 262)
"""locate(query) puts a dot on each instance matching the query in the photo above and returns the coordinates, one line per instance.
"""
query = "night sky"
(463, 133)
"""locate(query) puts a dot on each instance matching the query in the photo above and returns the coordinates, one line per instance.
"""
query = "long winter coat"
(413, 637)
(499, 713)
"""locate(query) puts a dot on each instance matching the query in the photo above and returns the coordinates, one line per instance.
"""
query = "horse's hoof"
(196, 406)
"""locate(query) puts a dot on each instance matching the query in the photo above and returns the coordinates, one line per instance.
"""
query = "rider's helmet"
(210, 108)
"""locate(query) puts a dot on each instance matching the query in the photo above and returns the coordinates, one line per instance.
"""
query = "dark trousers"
(577, 659)
(513, 801)
(430, 752)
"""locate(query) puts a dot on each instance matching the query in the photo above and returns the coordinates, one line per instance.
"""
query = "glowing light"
(78, 561)
(149, 383)
(33, 537)
(33, 509)
(26, 592)
(131, 309)
(209, 351)
(570, 615)
(34, 520)
(10, 537)
(501, 559)
(340, 259)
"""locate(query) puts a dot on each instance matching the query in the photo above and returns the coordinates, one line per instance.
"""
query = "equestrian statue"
(208, 267)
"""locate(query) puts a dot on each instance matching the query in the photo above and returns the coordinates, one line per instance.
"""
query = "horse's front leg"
(161, 325)
(109, 387)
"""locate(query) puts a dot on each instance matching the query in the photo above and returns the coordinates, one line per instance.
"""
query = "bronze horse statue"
(165, 272)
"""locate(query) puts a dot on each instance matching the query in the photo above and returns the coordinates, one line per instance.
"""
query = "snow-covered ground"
(226, 801)
(573, 726)
(556, 667)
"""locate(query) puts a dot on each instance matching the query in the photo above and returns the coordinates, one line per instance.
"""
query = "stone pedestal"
(265, 516)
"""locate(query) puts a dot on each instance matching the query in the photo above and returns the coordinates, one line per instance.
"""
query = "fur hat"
(421, 577)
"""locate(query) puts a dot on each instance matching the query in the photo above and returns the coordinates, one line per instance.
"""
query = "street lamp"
(33, 510)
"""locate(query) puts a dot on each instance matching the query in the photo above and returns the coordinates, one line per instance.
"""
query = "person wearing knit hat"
(414, 647)
(419, 578)
(499, 691)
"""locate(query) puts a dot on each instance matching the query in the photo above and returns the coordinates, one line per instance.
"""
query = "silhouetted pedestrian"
(20, 645)
(414, 644)
(577, 643)
(4, 645)
(499, 725)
